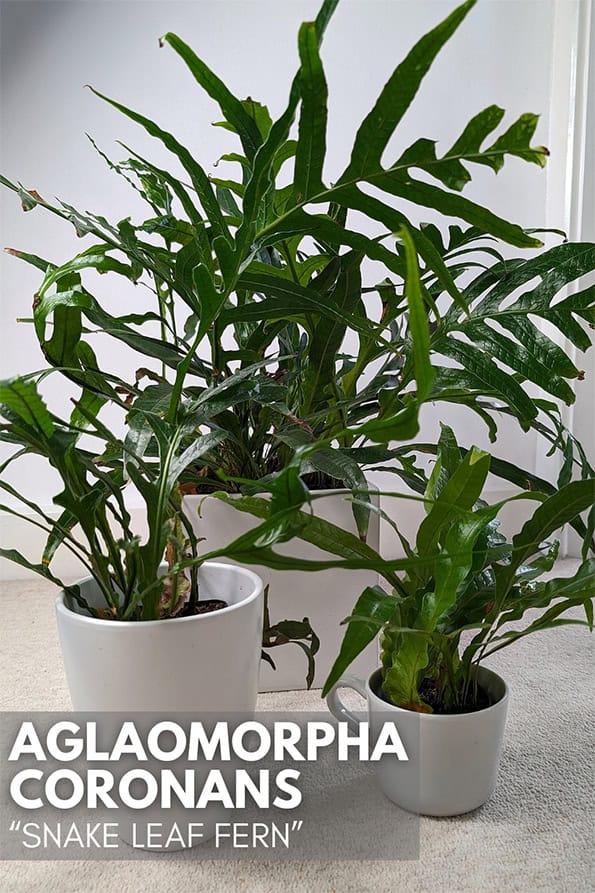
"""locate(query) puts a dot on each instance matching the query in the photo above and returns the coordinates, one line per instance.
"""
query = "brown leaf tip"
(415, 708)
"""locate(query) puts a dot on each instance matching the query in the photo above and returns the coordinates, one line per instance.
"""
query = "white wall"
(583, 413)
(507, 52)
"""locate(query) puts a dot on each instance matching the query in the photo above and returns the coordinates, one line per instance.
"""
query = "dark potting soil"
(430, 695)
(207, 606)
(314, 480)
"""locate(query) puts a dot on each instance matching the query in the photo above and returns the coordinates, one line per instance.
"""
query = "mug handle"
(336, 705)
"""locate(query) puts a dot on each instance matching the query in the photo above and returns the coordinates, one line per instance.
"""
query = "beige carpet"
(536, 833)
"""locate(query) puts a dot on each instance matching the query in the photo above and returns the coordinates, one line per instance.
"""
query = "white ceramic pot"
(325, 597)
(208, 662)
(452, 759)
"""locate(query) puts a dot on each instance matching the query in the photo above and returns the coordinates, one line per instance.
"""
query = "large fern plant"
(258, 289)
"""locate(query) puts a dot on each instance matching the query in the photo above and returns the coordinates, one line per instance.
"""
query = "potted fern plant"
(463, 594)
(259, 292)
(167, 617)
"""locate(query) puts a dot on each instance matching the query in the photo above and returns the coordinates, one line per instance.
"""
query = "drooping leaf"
(375, 607)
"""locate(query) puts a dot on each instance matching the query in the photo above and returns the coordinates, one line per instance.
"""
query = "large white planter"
(452, 759)
(208, 662)
(325, 597)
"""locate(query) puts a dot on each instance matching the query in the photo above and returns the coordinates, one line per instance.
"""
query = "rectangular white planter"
(325, 597)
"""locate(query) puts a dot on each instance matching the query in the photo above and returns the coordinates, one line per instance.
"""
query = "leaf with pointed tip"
(520, 359)
(476, 131)
(203, 444)
(96, 257)
(403, 425)
(58, 535)
(520, 600)
(43, 571)
(507, 471)
(39, 262)
(380, 124)
(177, 188)
(200, 181)
(516, 141)
(232, 108)
(449, 574)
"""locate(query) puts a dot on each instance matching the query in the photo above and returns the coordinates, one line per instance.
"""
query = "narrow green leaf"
(546, 351)
(39, 262)
(289, 298)
(43, 571)
(520, 359)
(476, 131)
(231, 107)
(328, 334)
(203, 444)
(436, 264)
(557, 267)
(379, 125)
(451, 573)
(418, 321)
(200, 181)
(516, 142)
(177, 188)
(520, 600)
(311, 146)
(482, 367)
(403, 425)
(324, 16)
(64, 523)
(86, 407)
(320, 533)
(452, 205)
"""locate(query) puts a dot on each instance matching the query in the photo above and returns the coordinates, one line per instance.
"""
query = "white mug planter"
(325, 597)
(452, 759)
(208, 662)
